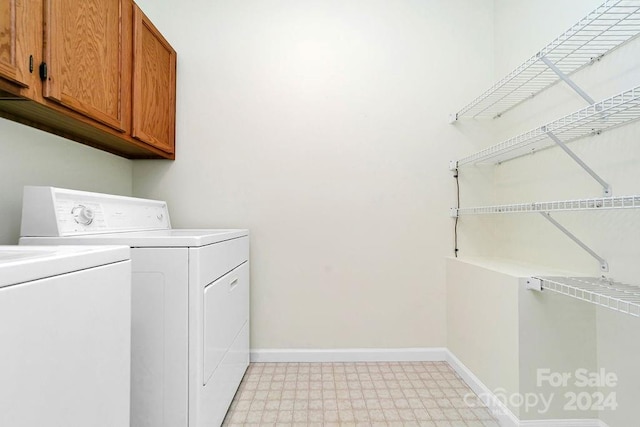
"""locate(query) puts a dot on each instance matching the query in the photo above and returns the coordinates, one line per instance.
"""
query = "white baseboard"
(505, 417)
(563, 423)
(350, 355)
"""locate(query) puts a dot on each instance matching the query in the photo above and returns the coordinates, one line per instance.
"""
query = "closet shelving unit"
(599, 203)
(611, 25)
(608, 27)
(599, 291)
(605, 115)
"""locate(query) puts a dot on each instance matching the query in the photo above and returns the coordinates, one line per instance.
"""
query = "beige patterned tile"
(302, 394)
(344, 404)
(391, 414)
(372, 403)
(286, 405)
(376, 415)
(300, 416)
(331, 416)
(361, 415)
(272, 405)
(407, 415)
(341, 385)
(396, 393)
(269, 416)
(358, 404)
(315, 404)
(467, 414)
(285, 417)
(347, 415)
(315, 385)
(247, 395)
(343, 394)
(370, 394)
(329, 394)
(238, 417)
(288, 394)
(401, 403)
(300, 405)
(274, 394)
(254, 417)
(315, 394)
(316, 416)
(383, 393)
(257, 405)
(251, 385)
(436, 414)
(330, 404)
(452, 414)
(482, 414)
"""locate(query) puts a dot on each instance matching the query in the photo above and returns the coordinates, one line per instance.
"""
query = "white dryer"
(190, 299)
(65, 336)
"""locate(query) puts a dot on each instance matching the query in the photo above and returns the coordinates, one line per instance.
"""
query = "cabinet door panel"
(13, 62)
(154, 85)
(84, 53)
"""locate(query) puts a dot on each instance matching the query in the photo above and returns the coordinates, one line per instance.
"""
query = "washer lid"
(145, 239)
(19, 264)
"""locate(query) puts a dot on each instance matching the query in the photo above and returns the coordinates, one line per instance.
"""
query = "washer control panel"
(80, 212)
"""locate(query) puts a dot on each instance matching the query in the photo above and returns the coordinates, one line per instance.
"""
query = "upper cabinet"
(154, 84)
(94, 71)
(14, 61)
(85, 53)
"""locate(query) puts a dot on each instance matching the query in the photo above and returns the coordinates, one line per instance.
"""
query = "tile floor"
(356, 394)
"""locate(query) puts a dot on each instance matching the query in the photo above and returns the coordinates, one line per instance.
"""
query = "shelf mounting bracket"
(606, 188)
(604, 266)
(567, 80)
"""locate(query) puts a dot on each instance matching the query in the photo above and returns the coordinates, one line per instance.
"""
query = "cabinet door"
(14, 62)
(85, 45)
(154, 85)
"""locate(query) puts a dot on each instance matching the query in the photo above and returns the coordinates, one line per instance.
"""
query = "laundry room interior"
(396, 218)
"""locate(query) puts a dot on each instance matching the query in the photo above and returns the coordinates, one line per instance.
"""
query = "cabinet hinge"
(31, 64)
(43, 71)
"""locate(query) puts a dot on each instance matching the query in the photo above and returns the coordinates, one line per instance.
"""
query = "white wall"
(322, 127)
(32, 157)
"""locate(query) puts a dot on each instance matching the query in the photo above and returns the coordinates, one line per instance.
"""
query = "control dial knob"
(82, 215)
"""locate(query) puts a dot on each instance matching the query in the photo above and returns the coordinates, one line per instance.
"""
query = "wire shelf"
(619, 202)
(616, 296)
(603, 30)
(594, 119)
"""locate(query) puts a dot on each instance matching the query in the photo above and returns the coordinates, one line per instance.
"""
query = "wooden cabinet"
(154, 84)
(85, 53)
(14, 60)
(83, 85)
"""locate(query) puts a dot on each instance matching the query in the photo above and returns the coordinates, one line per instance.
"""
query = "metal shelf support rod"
(606, 188)
(604, 265)
(567, 80)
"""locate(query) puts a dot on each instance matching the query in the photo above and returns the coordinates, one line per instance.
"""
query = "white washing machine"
(65, 336)
(190, 299)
